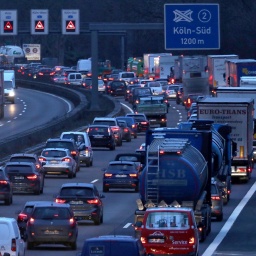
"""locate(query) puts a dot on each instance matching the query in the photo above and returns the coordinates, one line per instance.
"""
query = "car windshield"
(58, 213)
(8, 84)
(76, 191)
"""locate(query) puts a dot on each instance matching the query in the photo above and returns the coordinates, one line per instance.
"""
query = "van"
(128, 77)
(9, 85)
(113, 245)
(10, 240)
(168, 231)
(84, 146)
(74, 79)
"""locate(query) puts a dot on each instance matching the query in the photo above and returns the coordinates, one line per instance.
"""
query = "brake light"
(108, 175)
(31, 221)
(215, 197)
(40, 74)
(66, 159)
(60, 201)
(126, 130)
(93, 201)
(72, 221)
(13, 246)
(73, 153)
(37, 166)
(143, 240)
(144, 122)
(22, 217)
(42, 159)
(4, 182)
(133, 126)
(115, 129)
(133, 175)
(32, 177)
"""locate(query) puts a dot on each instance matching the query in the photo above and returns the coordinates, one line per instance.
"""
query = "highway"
(235, 235)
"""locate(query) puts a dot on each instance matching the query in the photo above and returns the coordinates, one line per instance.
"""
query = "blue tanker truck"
(180, 163)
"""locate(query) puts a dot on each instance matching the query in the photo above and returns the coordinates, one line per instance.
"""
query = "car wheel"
(112, 147)
(101, 219)
(71, 175)
(220, 218)
(74, 174)
(38, 191)
(120, 142)
(42, 189)
(105, 189)
(91, 163)
(30, 245)
(137, 188)
(97, 221)
(8, 201)
(135, 136)
(88, 164)
(73, 245)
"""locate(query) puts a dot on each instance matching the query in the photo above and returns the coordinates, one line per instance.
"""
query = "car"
(142, 149)
(5, 188)
(139, 92)
(171, 91)
(84, 200)
(192, 109)
(128, 92)
(101, 86)
(113, 123)
(52, 223)
(179, 95)
(44, 72)
(58, 161)
(142, 82)
(193, 117)
(25, 177)
(217, 200)
(65, 143)
(84, 145)
(10, 239)
(24, 215)
(131, 124)
(121, 174)
(27, 157)
(126, 132)
(116, 88)
(190, 99)
(155, 87)
(128, 77)
(101, 136)
(141, 120)
(87, 82)
(74, 78)
(137, 158)
(113, 245)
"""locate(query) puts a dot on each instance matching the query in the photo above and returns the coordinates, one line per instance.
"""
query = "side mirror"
(138, 224)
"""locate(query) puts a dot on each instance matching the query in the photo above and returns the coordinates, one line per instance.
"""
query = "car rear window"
(127, 75)
(23, 159)
(76, 191)
(60, 144)
(123, 167)
(214, 189)
(18, 168)
(4, 230)
(54, 153)
(128, 158)
(105, 122)
(51, 213)
(98, 130)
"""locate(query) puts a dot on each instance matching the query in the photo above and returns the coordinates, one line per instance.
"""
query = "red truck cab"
(169, 230)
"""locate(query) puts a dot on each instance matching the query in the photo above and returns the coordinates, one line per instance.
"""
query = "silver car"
(58, 161)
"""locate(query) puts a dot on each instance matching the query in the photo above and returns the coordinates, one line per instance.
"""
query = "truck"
(184, 159)
(238, 113)
(9, 86)
(14, 54)
(164, 66)
(84, 66)
(135, 64)
(191, 71)
(248, 81)
(237, 68)
(216, 69)
(148, 60)
(155, 109)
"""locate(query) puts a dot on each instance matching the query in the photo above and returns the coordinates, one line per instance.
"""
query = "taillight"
(126, 130)
(133, 175)
(4, 182)
(13, 246)
(133, 126)
(108, 175)
(60, 201)
(73, 153)
(37, 166)
(93, 201)
(215, 197)
(143, 240)
(22, 216)
(72, 221)
(42, 159)
(66, 159)
(40, 74)
(31, 221)
(32, 177)
(143, 122)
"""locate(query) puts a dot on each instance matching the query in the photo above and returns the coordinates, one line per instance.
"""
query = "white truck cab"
(9, 85)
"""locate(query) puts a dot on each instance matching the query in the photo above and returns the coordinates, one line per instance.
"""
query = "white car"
(101, 86)
(11, 242)
(155, 87)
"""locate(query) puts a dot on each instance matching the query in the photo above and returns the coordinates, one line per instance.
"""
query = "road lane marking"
(223, 232)
(127, 225)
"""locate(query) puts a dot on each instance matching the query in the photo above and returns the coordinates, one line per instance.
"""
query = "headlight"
(11, 93)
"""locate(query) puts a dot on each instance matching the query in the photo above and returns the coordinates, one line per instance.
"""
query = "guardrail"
(78, 117)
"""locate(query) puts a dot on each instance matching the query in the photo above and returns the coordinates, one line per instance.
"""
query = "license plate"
(51, 232)
(18, 177)
(121, 175)
(76, 202)
(98, 136)
(54, 162)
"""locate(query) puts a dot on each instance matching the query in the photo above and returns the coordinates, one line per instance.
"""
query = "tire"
(105, 189)
(129, 140)
(97, 221)
(220, 218)
(101, 219)
(88, 164)
(120, 143)
(8, 201)
(137, 188)
(135, 136)
(91, 163)
(113, 147)
(38, 191)
(30, 245)
(42, 190)
(73, 246)
(70, 175)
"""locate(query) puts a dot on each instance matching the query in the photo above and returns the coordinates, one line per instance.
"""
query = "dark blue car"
(131, 123)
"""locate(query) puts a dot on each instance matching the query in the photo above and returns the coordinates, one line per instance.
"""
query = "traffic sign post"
(8, 22)
(70, 22)
(39, 22)
(191, 26)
